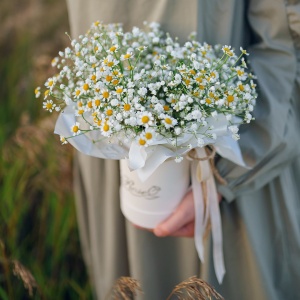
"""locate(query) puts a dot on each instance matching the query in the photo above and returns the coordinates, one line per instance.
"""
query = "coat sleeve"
(270, 31)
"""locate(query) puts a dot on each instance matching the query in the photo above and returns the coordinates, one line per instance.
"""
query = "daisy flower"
(168, 121)
(75, 129)
(145, 119)
(49, 105)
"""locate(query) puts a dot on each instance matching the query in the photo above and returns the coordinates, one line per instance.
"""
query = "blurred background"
(40, 255)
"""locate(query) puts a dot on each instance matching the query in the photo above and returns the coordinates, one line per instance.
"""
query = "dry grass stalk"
(194, 288)
(125, 288)
(24, 274)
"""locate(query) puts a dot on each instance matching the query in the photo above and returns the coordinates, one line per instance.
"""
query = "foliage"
(39, 243)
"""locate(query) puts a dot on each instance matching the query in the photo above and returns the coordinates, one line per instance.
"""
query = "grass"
(39, 244)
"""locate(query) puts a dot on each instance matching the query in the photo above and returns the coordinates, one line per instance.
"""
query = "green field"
(40, 254)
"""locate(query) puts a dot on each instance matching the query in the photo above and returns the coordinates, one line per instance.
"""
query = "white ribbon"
(201, 173)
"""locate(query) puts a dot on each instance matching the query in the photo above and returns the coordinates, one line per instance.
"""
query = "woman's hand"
(182, 221)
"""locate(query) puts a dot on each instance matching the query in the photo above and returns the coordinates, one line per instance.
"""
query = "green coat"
(261, 214)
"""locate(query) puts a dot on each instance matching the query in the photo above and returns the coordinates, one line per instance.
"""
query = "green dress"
(261, 210)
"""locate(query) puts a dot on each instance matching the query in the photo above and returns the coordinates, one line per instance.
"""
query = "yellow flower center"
(119, 90)
(193, 72)
(77, 93)
(240, 72)
(79, 104)
(50, 83)
(49, 105)
(201, 87)
(90, 104)
(208, 101)
(109, 112)
(36, 91)
(168, 121)
(173, 100)
(166, 107)
(230, 98)
(127, 107)
(46, 92)
(97, 102)
(115, 81)
(142, 142)
(86, 86)
(148, 135)
(199, 79)
(113, 49)
(108, 78)
(145, 119)
(93, 77)
(241, 87)
(105, 127)
(75, 128)
(105, 94)
(187, 81)
(127, 55)
(96, 49)
(80, 111)
(96, 23)
(78, 53)
(196, 94)
(97, 90)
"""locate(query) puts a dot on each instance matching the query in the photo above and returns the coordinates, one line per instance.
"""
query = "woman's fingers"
(179, 223)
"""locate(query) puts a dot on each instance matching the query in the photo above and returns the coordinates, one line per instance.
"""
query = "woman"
(261, 230)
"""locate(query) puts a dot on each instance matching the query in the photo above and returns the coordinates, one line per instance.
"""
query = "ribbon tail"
(199, 212)
(216, 226)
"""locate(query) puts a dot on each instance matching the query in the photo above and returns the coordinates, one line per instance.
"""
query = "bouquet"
(143, 97)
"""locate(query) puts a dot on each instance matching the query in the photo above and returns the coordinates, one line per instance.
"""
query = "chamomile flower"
(54, 61)
(113, 49)
(50, 83)
(37, 92)
(244, 51)
(49, 105)
(126, 56)
(63, 140)
(227, 50)
(145, 119)
(106, 129)
(168, 121)
(109, 111)
(75, 129)
(241, 73)
(119, 90)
